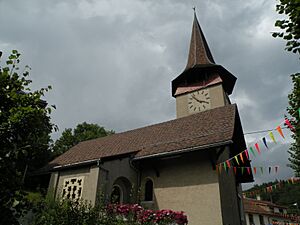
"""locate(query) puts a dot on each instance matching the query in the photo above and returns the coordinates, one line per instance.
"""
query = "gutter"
(192, 149)
(76, 164)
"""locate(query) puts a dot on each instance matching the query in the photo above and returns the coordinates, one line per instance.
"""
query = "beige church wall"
(117, 170)
(188, 184)
(90, 183)
(217, 98)
(231, 204)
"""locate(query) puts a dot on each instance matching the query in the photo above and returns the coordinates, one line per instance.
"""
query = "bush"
(66, 212)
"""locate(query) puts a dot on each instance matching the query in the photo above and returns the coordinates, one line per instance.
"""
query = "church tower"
(203, 84)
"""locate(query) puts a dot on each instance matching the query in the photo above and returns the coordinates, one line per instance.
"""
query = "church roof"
(199, 53)
(203, 130)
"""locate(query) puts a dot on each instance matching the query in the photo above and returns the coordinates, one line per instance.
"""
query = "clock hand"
(193, 96)
(200, 101)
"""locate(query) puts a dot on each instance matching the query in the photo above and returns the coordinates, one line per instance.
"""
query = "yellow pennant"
(272, 136)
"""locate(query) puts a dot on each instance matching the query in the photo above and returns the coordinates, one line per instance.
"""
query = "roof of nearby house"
(200, 131)
(260, 207)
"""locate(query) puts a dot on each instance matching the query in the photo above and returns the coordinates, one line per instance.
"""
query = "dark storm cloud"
(111, 62)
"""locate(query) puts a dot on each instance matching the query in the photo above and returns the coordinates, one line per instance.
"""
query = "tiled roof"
(201, 129)
(254, 206)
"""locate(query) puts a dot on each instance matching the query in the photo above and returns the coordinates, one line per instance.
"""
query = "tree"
(293, 110)
(82, 132)
(24, 135)
(291, 33)
(291, 26)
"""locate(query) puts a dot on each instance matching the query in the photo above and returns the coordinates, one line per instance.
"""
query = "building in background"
(258, 212)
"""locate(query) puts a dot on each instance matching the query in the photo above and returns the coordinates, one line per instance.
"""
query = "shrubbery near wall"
(65, 212)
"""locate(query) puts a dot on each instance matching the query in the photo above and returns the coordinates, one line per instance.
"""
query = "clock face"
(198, 101)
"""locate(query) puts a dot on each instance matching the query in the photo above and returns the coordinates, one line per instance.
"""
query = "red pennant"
(254, 170)
(248, 170)
(287, 122)
(247, 155)
(228, 163)
(257, 148)
(234, 169)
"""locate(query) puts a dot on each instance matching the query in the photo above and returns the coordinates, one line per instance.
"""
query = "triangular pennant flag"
(248, 170)
(228, 163)
(246, 153)
(262, 170)
(265, 142)
(257, 148)
(242, 169)
(241, 156)
(280, 131)
(272, 136)
(237, 161)
(224, 164)
(254, 170)
(234, 169)
(287, 122)
(252, 151)
(270, 169)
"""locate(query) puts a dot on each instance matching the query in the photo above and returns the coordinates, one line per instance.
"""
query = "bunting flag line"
(270, 188)
(239, 158)
(247, 168)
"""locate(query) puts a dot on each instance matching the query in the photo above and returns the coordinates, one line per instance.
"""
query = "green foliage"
(24, 135)
(291, 25)
(285, 194)
(293, 110)
(82, 132)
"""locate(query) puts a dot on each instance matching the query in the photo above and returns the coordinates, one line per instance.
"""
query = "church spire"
(199, 53)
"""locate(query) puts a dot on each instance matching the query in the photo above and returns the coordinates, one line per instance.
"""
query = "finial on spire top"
(194, 8)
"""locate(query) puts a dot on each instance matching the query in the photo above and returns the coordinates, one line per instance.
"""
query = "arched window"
(116, 195)
(149, 190)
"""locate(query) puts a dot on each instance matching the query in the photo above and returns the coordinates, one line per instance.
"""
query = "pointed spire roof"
(199, 53)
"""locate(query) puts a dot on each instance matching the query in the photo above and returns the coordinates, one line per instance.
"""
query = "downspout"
(139, 176)
(105, 182)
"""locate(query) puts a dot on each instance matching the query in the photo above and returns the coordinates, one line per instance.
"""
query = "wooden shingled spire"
(199, 53)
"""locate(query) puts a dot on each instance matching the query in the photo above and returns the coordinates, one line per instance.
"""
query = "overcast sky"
(111, 62)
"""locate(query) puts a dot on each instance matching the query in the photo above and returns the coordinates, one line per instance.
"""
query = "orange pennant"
(241, 156)
(280, 131)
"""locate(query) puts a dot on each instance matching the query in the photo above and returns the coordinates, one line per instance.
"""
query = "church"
(170, 165)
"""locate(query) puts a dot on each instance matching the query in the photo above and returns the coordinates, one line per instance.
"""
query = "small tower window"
(149, 190)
